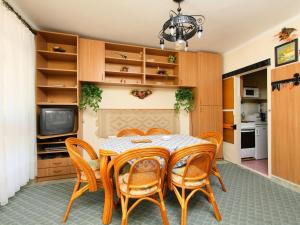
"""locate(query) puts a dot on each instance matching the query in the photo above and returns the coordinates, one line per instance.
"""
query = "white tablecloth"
(175, 142)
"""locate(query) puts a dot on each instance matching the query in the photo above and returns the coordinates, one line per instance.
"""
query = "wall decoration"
(141, 94)
(91, 96)
(286, 53)
(185, 99)
(171, 59)
(286, 34)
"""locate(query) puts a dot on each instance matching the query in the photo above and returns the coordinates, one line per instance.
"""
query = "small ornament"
(124, 69)
(123, 56)
(171, 59)
(161, 71)
(141, 94)
(58, 49)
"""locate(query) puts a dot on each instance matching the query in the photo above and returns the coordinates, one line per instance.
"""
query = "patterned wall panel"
(110, 121)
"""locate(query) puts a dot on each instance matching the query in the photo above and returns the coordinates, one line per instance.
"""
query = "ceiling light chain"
(179, 28)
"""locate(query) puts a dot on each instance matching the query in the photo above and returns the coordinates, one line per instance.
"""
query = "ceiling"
(228, 24)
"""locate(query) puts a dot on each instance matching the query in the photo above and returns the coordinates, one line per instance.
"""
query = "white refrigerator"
(261, 141)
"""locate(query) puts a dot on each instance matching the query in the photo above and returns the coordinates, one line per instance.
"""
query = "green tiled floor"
(251, 199)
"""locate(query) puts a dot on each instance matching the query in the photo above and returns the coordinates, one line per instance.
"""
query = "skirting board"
(285, 183)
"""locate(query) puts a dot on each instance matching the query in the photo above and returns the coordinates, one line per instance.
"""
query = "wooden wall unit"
(56, 86)
(207, 115)
(286, 126)
(109, 63)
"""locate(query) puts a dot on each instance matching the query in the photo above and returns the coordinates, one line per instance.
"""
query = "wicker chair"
(216, 138)
(130, 132)
(88, 173)
(156, 131)
(194, 176)
(145, 178)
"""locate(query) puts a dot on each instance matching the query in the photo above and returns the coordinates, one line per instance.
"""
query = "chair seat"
(97, 175)
(123, 181)
(177, 174)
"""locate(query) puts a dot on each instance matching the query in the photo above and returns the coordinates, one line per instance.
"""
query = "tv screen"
(56, 121)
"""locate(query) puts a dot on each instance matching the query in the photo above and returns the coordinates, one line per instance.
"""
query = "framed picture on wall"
(286, 53)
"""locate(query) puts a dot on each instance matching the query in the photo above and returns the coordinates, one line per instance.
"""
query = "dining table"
(113, 146)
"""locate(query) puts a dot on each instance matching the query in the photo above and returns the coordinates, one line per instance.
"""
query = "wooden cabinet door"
(91, 60)
(228, 109)
(210, 78)
(210, 119)
(188, 68)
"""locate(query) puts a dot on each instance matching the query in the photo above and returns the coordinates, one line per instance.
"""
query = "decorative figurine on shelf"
(171, 59)
(141, 94)
(286, 34)
(161, 71)
(58, 49)
(124, 69)
(123, 56)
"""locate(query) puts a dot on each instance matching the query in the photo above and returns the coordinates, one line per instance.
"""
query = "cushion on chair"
(123, 181)
(177, 174)
(94, 164)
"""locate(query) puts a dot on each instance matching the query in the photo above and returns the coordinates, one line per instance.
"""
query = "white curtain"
(17, 110)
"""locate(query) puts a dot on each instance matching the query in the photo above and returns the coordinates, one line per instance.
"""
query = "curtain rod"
(9, 7)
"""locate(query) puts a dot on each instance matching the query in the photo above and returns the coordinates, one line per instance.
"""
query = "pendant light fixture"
(179, 28)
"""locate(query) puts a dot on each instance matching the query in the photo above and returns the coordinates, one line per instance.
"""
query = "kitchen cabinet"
(188, 68)
(91, 60)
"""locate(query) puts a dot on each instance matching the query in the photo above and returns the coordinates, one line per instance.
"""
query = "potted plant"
(91, 96)
(184, 99)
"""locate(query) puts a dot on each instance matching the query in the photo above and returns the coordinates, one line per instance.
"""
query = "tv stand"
(57, 85)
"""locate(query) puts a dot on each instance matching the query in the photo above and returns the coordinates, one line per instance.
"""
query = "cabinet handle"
(57, 171)
(57, 163)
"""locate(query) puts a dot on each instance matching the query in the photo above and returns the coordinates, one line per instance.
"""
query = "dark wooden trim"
(10, 8)
(245, 69)
(296, 53)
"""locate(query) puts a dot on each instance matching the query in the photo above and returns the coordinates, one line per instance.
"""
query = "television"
(56, 121)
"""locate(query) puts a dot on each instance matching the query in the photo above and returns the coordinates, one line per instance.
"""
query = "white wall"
(120, 98)
(259, 48)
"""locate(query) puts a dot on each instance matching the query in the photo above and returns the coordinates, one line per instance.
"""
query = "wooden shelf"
(55, 136)
(116, 60)
(51, 143)
(63, 56)
(120, 73)
(49, 71)
(161, 76)
(57, 103)
(156, 51)
(50, 151)
(56, 87)
(161, 64)
(59, 38)
(140, 85)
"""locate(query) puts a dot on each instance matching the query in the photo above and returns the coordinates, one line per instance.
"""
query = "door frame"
(232, 151)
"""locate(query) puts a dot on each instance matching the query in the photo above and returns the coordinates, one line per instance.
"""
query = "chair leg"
(76, 187)
(183, 214)
(213, 202)
(163, 210)
(218, 175)
(124, 210)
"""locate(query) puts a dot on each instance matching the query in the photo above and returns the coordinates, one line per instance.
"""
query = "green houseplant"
(184, 99)
(91, 96)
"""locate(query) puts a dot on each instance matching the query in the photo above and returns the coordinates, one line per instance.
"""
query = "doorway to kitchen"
(254, 121)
